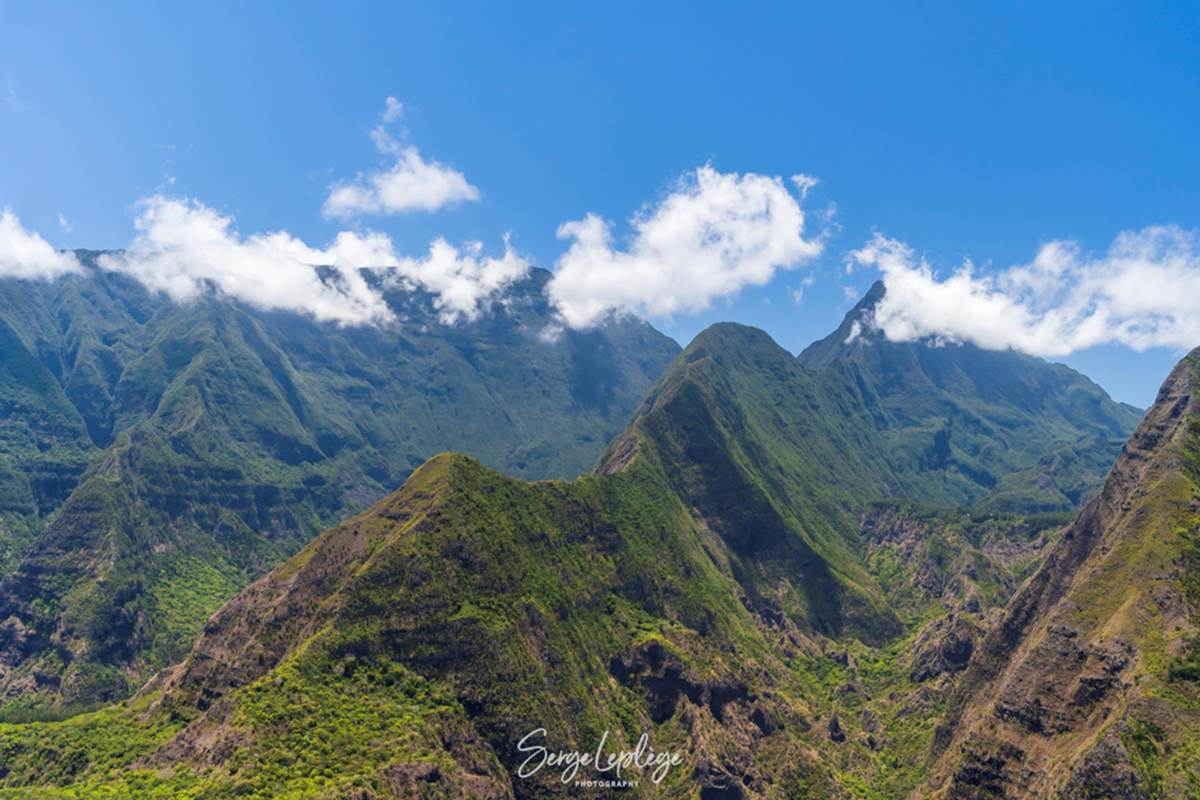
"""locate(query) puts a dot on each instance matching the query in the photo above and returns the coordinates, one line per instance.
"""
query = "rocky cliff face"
(1083, 688)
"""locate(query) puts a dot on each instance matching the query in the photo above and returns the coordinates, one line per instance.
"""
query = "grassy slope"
(468, 607)
(466, 610)
(774, 461)
(723, 534)
(232, 436)
(44, 446)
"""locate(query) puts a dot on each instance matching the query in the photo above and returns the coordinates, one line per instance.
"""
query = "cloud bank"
(711, 236)
(1140, 293)
(715, 234)
(184, 249)
(461, 279)
(411, 183)
(24, 254)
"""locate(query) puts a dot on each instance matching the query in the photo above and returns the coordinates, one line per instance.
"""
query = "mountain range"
(157, 455)
(878, 569)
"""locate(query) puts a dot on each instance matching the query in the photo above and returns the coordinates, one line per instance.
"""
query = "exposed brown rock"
(1106, 773)
(836, 732)
(1067, 659)
(14, 642)
(943, 646)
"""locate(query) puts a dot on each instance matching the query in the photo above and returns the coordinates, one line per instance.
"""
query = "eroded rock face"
(666, 682)
(473, 773)
(967, 563)
(985, 773)
(1057, 689)
(1106, 773)
(711, 710)
(836, 732)
(660, 673)
(944, 646)
(718, 782)
(14, 643)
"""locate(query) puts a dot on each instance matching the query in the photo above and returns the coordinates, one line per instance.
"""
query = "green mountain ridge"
(158, 456)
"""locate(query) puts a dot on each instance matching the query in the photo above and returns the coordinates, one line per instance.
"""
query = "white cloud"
(461, 278)
(24, 254)
(1140, 293)
(12, 99)
(64, 223)
(411, 183)
(393, 109)
(797, 293)
(183, 248)
(715, 234)
(804, 183)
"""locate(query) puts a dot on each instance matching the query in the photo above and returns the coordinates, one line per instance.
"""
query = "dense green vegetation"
(469, 609)
(155, 457)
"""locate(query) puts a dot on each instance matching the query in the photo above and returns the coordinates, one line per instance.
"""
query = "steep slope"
(408, 652)
(775, 460)
(44, 446)
(716, 585)
(996, 429)
(217, 439)
(758, 442)
(220, 438)
(1087, 688)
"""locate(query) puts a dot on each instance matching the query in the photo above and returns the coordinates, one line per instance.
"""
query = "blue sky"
(977, 131)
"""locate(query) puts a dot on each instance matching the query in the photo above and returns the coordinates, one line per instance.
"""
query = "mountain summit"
(856, 330)
(1002, 430)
